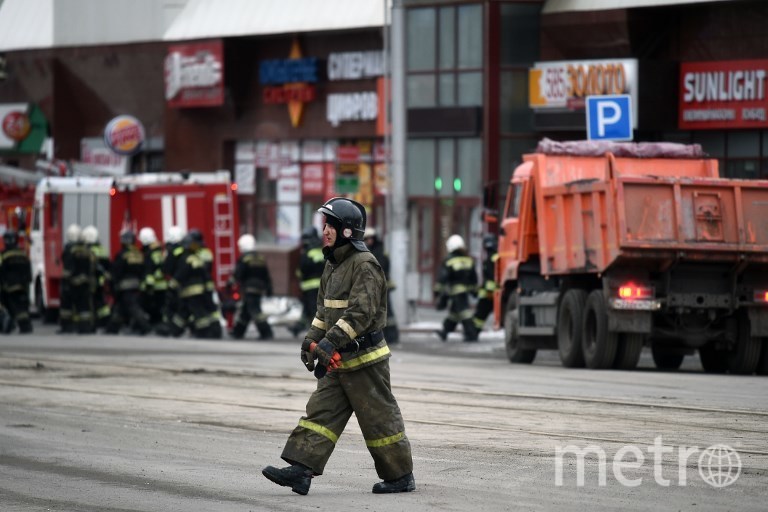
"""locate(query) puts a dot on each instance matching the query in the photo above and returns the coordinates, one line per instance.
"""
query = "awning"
(26, 24)
(553, 6)
(202, 19)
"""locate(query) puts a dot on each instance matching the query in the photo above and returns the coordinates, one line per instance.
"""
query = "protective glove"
(307, 354)
(327, 357)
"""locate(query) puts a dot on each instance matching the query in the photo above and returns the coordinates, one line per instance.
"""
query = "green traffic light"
(438, 183)
(457, 184)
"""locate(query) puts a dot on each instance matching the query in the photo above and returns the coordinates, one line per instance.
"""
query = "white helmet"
(73, 233)
(90, 234)
(246, 243)
(147, 236)
(454, 243)
(175, 234)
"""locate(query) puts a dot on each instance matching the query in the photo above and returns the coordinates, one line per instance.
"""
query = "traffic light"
(438, 184)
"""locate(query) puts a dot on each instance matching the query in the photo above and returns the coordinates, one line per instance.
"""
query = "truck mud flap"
(758, 322)
(629, 321)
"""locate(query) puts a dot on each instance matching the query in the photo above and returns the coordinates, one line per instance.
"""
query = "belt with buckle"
(363, 342)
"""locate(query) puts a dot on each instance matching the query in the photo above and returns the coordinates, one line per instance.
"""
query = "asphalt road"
(106, 423)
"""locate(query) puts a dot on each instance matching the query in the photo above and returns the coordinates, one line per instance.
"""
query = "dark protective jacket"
(489, 276)
(153, 259)
(191, 274)
(83, 265)
(311, 266)
(15, 271)
(377, 249)
(457, 275)
(351, 302)
(252, 274)
(128, 269)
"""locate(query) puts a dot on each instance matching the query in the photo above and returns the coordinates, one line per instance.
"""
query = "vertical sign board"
(609, 117)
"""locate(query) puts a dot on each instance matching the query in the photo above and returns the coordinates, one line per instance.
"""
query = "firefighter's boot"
(448, 327)
(25, 326)
(298, 477)
(471, 333)
(265, 331)
(238, 331)
(403, 484)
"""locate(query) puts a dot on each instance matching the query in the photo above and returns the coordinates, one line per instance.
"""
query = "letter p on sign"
(609, 117)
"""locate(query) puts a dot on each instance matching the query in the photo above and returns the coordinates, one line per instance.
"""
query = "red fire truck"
(204, 201)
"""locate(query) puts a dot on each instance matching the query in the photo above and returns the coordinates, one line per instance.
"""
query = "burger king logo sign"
(16, 126)
(124, 135)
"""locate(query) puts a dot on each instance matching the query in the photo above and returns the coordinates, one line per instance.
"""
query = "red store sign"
(194, 75)
(726, 94)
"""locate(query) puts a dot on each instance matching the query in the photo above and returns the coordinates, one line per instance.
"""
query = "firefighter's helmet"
(73, 233)
(90, 234)
(196, 235)
(454, 243)
(147, 236)
(349, 218)
(246, 243)
(11, 239)
(127, 237)
(175, 234)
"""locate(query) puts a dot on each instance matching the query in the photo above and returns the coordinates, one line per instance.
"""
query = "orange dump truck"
(605, 248)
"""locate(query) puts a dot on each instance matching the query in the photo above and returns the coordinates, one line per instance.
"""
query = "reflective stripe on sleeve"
(316, 322)
(384, 441)
(336, 304)
(314, 427)
(344, 326)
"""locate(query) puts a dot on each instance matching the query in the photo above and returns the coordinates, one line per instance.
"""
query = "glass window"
(713, 143)
(743, 144)
(511, 155)
(447, 38)
(516, 192)
(519, 33)
(420, 48)
(470, 168)
(470, 89)
(742, 169)
(446, 170)
(515, 115)
(421, 91)
(420, 167)
(470, 36)
(447, 89)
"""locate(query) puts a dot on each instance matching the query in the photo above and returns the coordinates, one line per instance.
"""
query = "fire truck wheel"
(744, 358)
(569, 329)
(664, 359)
(511, 339)
(598, 343)
(628, 350)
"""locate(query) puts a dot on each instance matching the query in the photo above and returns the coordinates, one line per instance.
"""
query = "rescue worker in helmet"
(66, 313)
(101, 278)
(352, 356)
(254, 281)
(154, 285)
(311, 265)
(128, 272)
(82, 276)
(196, 306)
(15, 278)
(456, 281)
(484, 304)
(173, 252)
(376, 246)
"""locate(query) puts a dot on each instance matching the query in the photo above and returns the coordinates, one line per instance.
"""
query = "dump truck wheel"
(666, 360)
(762, 364)
(713, 360)
(628, 350)
(598, 343)
(743, 360)
(511, 339)
(569, 319)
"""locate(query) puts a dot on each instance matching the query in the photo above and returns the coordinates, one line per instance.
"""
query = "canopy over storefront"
(553, 6)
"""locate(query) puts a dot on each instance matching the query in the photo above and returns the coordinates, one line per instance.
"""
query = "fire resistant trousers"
(368, 394)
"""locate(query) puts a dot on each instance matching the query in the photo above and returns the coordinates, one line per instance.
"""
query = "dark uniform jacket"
(128, 269)
(191, 274)
(153, 259)
(252, 274)
(311, 266)
(82, 265)
(15, 272)
(351, 303)
(457, 275)
(377, 249)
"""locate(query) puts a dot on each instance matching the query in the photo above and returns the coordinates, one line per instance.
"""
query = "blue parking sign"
(609, 117)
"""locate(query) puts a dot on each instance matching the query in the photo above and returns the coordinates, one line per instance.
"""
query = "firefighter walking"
(484, 305)
(254, 281)
(311, 265)
(128, 272)
(376, 246)
(196, 306)
(154, 286)
(101, 278)
(352, 356)
(66, 313)
(15, 278)
(82, 274)
(173, 252)
(456, 281)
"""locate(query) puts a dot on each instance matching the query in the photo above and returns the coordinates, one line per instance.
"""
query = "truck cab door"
(510, 239)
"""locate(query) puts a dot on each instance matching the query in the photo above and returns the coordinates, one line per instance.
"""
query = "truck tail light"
(761, 296)
(112, 192)
(632, 291)
(233, 187)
